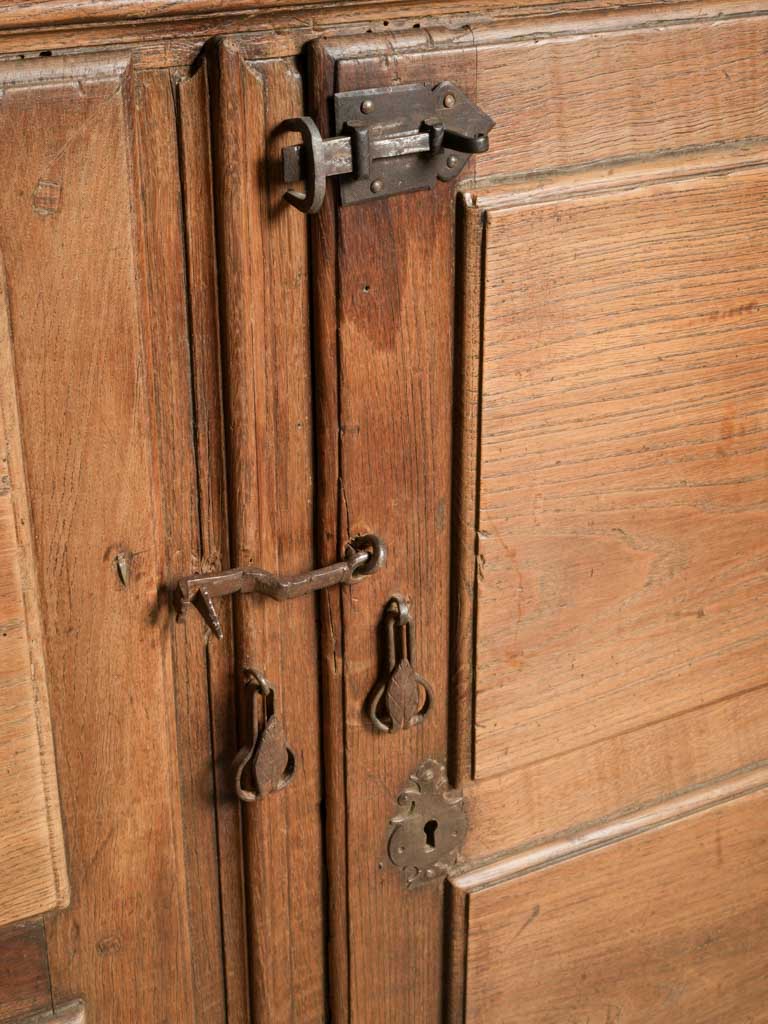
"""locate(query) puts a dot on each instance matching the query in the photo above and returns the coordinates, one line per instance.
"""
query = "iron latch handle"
(364, 556)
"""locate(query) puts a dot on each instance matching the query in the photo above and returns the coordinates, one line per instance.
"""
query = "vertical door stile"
(262, 254)
(197, 181)
(383, 326)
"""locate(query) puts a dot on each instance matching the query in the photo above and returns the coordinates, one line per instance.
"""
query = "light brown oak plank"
(172, 416)
(623, 473)
(33, 873)
(384, 308)
(604, 92)
(669, 923)
(68, 229)
(262, 259)
(197, 177)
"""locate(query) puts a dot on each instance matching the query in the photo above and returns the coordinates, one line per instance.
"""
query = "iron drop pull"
(364, 556)
(404, 698)
(269, 761)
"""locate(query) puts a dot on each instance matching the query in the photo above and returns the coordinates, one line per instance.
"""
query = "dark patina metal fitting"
(408, 138)
(363, 556)
(427, 833)
(403, 698)
(267, 764)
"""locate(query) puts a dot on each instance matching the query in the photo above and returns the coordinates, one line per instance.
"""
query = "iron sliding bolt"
(402, 138)
(364, 556)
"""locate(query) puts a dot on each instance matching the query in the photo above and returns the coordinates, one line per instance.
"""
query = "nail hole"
(430, 829)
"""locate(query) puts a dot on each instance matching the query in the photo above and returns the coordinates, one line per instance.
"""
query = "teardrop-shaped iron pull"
(267, 763)
(403, 699)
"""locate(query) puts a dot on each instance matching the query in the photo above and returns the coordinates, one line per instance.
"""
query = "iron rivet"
(377, 185)
(452, 160)
(449, 100)
(366, 106)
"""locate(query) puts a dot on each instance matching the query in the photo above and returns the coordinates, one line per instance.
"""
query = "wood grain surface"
(72, 1013)
(599, 91)
(172, 414)
(161, 27)
(25, 985)
(202, 293)
(668, 924)
(384, 306)
(33, 873)
(92, 336)
(263, 263)
(623, 496)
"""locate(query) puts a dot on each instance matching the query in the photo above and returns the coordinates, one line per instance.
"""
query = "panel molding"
(33, 869)
(477, 877)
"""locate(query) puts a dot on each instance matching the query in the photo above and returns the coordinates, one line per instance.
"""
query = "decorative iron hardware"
(388, 141)
(426, 835)
(270, 762)
(404, 698)
(364, 556)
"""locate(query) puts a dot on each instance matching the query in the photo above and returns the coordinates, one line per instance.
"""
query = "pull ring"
(404, 698)
(363, 556)
(269, 761)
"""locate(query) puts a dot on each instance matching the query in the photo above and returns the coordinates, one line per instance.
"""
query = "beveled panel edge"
(72, 1013)
(64, 68)
(475, 878)
(59, 896)
(565, 183)
(176, 37)
(36, 14)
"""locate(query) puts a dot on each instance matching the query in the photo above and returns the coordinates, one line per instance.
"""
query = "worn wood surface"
(25, 986)
(88, 325)
(72, 1013)
(675, 916)
(623, 493)
(263, 254)
(383, 335)
(33, 874)
(466, 430)
(197, 179)
(160, 30)
(171, 415)
(608, 92)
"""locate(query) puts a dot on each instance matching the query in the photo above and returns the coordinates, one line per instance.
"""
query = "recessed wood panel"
(669, 924)
(623, 494)
(90, 229)
(594, 89)
(33, 876)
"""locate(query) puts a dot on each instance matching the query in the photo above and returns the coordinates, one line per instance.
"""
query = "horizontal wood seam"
(658, 815)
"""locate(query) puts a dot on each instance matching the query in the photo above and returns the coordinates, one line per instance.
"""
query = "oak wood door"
(101, 351)
(546, 390)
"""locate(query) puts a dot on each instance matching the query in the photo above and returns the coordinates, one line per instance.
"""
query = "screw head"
(377, 185)
(366, 106)
(449, 100)
(452, 160)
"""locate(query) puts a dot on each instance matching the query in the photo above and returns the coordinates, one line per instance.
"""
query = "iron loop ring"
(371, 551)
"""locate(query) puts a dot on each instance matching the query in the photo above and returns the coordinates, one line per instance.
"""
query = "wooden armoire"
(383, 512)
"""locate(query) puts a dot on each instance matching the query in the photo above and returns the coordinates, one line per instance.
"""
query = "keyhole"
(430, 828)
